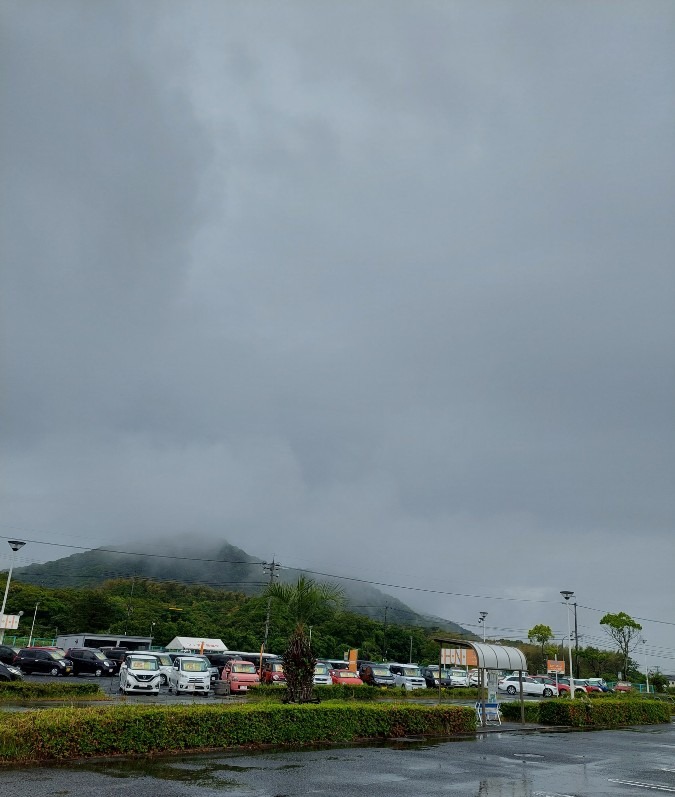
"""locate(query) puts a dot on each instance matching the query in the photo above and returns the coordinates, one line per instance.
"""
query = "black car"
(9, 673)
(47, 662)
(90, 661)
(115, 655)
(7, 654)
(374, 674)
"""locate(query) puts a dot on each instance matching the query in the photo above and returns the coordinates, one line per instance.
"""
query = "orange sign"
(555, 666)
(353, 656)
(464, 657)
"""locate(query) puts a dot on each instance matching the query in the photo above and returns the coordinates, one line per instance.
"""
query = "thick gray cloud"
(385, 290)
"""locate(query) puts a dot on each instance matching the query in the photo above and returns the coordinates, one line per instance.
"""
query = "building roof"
(196, 644)
(490, 657)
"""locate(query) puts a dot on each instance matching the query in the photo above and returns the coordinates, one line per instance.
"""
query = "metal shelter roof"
(490, 657)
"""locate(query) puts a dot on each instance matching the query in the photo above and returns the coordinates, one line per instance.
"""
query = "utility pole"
(384, 645)
(270, 568)
(576, 642)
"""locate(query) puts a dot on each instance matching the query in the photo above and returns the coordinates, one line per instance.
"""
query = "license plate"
(243, 688)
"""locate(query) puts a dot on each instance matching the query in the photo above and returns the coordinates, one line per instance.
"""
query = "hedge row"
(29, 690)
(58, 734)
(334, 692)
(608, 713)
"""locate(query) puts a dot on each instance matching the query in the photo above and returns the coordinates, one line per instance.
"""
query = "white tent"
(196, 645)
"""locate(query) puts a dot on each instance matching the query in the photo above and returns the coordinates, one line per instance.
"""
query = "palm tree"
(303, 600)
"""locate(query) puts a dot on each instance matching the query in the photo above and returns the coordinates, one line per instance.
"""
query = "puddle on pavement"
(199, 772)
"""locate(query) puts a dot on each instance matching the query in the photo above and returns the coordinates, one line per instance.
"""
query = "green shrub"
(511, 711)
(608, 713)
(29, 690)
(58, 734)
(334, 692)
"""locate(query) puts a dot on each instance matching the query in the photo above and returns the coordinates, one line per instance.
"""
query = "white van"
(190, 674)
(165, 665)
(139, 673)
(409, 676)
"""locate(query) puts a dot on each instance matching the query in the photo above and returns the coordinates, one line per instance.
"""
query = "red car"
(346, 677)
(623, 686)
(273, 673)
(563, 689)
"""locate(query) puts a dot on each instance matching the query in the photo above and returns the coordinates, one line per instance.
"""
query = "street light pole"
(481, 620)
(15, 545)
(32, 628)
(644, 642)
(567, 594)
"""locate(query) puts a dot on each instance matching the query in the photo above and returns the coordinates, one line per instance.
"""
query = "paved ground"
(497, 764)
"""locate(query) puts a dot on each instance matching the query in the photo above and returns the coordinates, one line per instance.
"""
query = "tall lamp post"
(32, 628)
(15, 545)
(644, 642)
(567, 594)
(481, 620)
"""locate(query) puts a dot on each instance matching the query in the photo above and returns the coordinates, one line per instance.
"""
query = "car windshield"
(381, 671)
(347, 674)
(247, 668)
(99, 655)
(320, 669)
(164, 660)
(56, 655)
(193, 666)
(411, 672)
(277, 668)
(458, 673)
(142, 664)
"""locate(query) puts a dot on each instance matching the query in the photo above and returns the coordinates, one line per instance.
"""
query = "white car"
(140, 673)
(511, 686)
(409, 676)
(165, 666)
(322, 675)
(190, 674)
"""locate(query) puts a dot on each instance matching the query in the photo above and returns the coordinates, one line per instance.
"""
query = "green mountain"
(220, 565)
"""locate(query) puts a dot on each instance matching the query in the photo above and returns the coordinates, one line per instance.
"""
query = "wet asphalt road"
(497, 764)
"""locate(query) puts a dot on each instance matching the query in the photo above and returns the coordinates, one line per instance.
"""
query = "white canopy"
(490, 657)
(196, 644)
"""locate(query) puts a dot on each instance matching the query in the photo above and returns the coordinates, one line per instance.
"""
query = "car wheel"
(98, 672)
(547, 692)
(511, 689)
(54, 671)
(163, 679)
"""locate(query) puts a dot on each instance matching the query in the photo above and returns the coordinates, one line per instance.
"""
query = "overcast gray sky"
(384, 289)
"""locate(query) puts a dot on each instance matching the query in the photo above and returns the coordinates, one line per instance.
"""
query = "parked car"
(190, 674)
(531, 686)
(165, 665)
(431, 678)
(322, 674)
(218, 660)
(8, 654)
(587, 684)
(8, 672)
(408, 676)
(90, 661)
(214, 672)
(599, 682)
(579, 689)
(140, 673)
(623, 686)
(273, 673)
(563, 689)
(115, 655)
(47, 662)
(375, 674)
(345, 677)
(240, 675)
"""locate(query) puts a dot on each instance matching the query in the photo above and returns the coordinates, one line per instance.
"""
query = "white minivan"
(190, 674)
(139, 673)
(409, 676)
